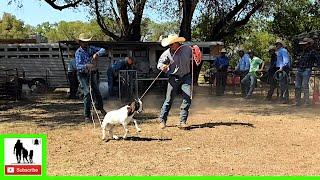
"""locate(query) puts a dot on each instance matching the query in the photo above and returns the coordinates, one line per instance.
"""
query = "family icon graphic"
(23, 156)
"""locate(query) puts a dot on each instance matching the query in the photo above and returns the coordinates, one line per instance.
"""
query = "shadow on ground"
(136, 138)
(213, 125)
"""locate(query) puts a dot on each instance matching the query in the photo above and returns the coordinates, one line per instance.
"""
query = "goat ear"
(132, 108)
(129, 110)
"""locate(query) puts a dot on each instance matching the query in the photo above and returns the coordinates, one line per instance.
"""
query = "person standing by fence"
(283, 66)
(304, 69)
(242, 68)
(221, 64)
(271, 71)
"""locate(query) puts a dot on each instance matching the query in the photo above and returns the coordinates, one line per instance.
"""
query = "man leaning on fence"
(113, 71)
(86, 61)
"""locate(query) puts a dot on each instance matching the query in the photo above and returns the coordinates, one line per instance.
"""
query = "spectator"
(221, 64)
(113, 71)
(250, 80)
(304, 68)
(242, 68)
(283, 68)
(271, 71)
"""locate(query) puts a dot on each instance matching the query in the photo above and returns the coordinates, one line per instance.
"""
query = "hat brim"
(84, 40)
(167, 41)
(303, 42)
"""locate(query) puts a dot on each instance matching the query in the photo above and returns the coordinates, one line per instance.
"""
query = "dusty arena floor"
(227, 136)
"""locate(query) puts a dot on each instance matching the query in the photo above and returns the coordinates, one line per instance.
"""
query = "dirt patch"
(227, 136)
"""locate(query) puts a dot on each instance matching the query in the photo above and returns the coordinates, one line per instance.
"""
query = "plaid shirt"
(308, 59)
(84, 56)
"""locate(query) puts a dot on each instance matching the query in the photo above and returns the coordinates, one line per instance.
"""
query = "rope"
(92, 102)
(161, 72)
(277, 75)
(258, 74)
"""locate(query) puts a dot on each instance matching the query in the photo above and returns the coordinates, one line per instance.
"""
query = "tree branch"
(61, 7)
(101, 23)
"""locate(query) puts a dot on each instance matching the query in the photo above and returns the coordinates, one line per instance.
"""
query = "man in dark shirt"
(271, 71)
(304, 68)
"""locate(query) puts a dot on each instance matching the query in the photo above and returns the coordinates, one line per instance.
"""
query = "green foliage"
(69, 30)
(294, 17)
(254, 36)
(152, 30)
(12, 28)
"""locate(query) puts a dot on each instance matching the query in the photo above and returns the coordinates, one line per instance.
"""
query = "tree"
(294, 17)
(12, 28)
(222, 19)
(69, 30)
(127, 14)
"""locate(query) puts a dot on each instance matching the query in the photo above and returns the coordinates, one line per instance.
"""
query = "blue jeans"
(110, 81)
(302, 84)
(174, 84)
(284, 87)
(84, 82)
(249, 82)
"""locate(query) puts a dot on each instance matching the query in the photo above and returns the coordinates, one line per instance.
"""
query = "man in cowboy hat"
(283, 67)
(242, 68)
(86, 62)
(221, 64)
(304, 68)
(175, 62)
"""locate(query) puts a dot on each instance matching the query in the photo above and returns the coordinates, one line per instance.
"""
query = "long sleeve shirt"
(244, 63)
(120, 65)
(179, 63)
(222, 62)
(308, 59)
(84, 56)
(282, 58)
(72, 65)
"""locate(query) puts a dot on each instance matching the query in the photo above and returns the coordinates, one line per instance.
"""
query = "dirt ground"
(227, 136)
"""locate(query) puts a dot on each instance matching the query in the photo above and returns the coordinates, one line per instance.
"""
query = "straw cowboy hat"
(306, 41)
(223, 50)
(84, 37)
(279, 41)
(271, 48)
(172, 38)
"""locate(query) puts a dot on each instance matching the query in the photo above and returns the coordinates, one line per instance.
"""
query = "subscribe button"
(23, 170)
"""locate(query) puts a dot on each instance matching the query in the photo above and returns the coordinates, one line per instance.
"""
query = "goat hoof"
(138, 130)
(115, 137)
